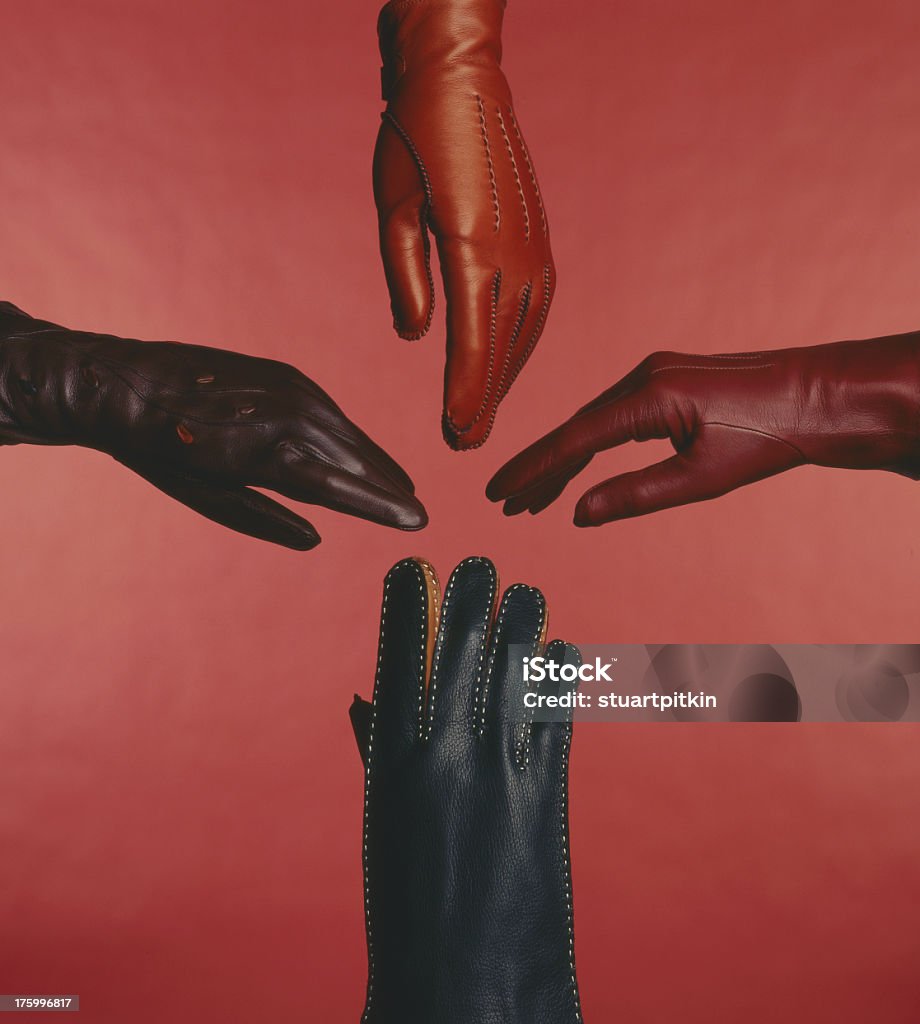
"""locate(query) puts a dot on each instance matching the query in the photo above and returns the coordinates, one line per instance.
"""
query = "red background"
(180, 802)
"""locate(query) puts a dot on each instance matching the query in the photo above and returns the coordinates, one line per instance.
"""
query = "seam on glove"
(310, 454)
(716, 369)
(534, 338)
(323, 424)
(760, 433)
(487, 394)
(369, 769)
(517, 177)
(425, 217)
(740, 355)
(484, 131)
(482, 693)
(533, 176)
(122, 372)
(28, 334)
(433, 685)
(523, 747)
(367, 788)
(129, 368)
(523, 310)
(433, 622)
(567, 870)
(125, 372)
(116, 365)
(502, 390)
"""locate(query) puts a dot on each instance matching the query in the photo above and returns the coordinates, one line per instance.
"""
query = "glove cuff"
(417, 34)
(40, 381)
(12, 320)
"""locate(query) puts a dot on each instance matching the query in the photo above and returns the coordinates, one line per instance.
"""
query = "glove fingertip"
(411, 515)
(514, 506)
(411, 328)
(591, 510)
(275, 523)
(288, 531)
(512, 478)
(494, 491)
(468, 439)
(303, 540)
(405, 257)
(238, 508)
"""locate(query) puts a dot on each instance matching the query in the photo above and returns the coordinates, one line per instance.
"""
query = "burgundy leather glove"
(732, 419)
(200, 424)
(451, 159)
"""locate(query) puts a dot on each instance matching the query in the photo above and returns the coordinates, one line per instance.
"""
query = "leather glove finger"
(402, 196)
(239, 508)
(559, 452)
(493, 325)
(472, 292)
(715, 460)
(545, 487)
(387, 465)
(521, 624)
(460, 652)
(332, 439)
(536, 298)
(321, 424)
(550, 740)
(542, 495)
(408, 624)
(720, 460)
(295, 473)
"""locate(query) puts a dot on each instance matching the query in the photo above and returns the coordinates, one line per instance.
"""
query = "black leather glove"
(468, 892)
(200, 424)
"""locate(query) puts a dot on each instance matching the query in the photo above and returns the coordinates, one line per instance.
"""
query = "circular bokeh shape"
(765, 697)
(873, 693)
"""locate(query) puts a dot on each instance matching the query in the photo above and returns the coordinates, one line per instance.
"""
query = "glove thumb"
(400, 193)
(360, 715)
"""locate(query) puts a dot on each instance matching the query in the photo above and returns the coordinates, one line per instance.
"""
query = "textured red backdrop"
(180, 802)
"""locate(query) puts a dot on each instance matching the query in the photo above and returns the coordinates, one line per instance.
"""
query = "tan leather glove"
(451, 159)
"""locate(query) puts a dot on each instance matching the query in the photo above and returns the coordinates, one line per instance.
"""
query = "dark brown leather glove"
(451, 159)
(732, 419)
(200, 424)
